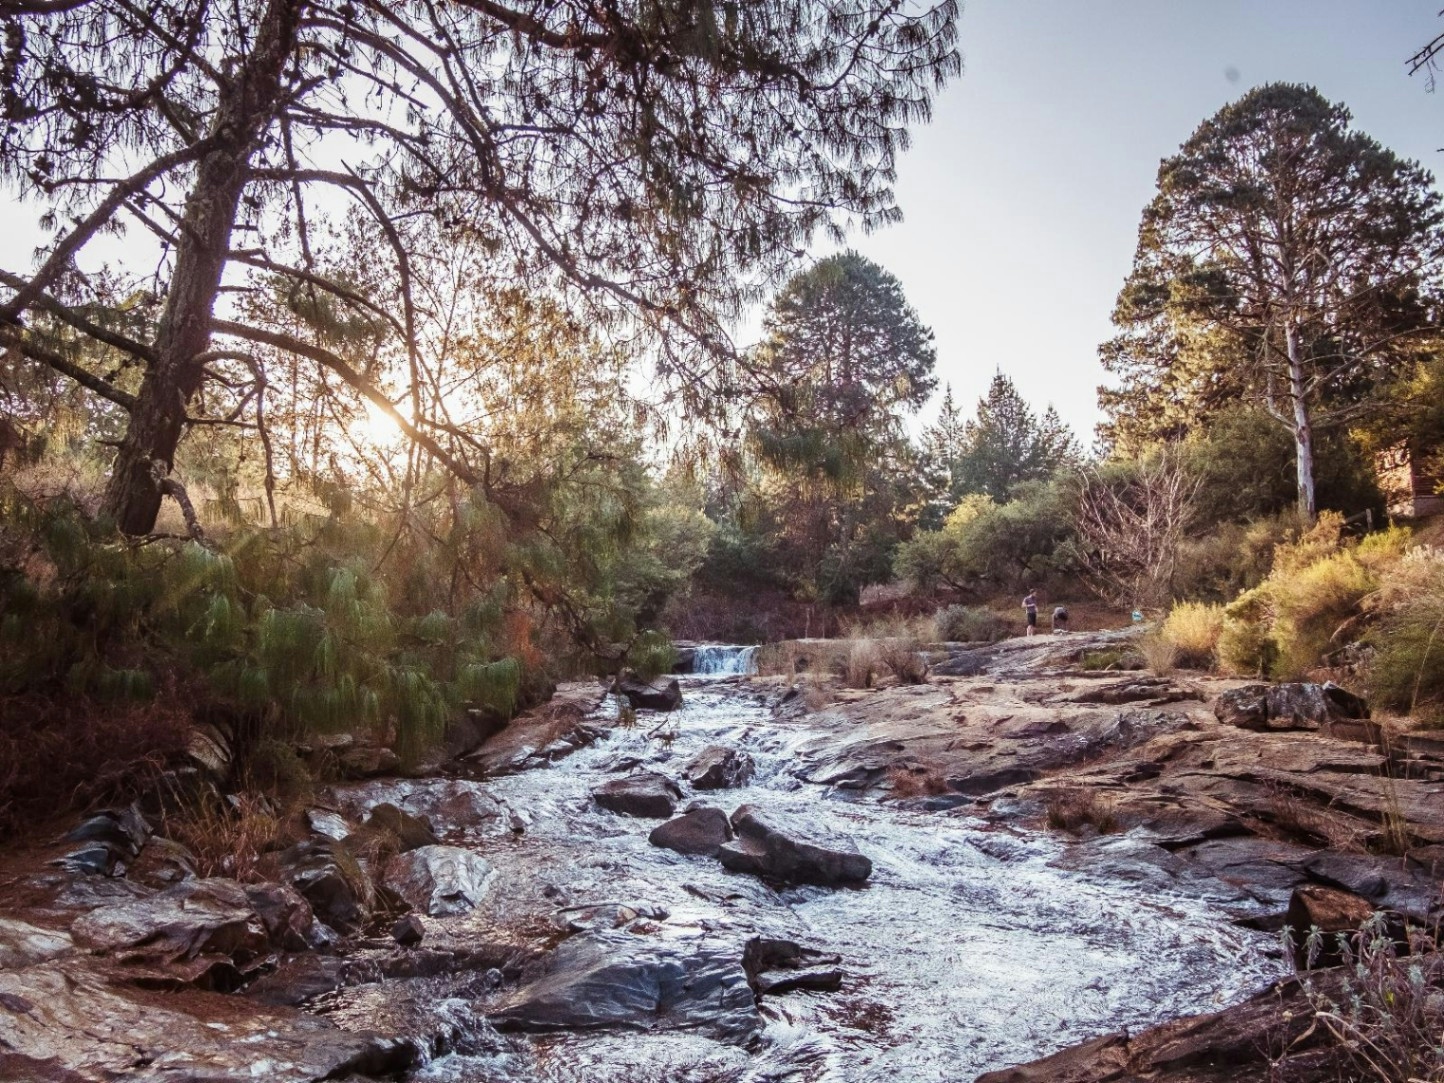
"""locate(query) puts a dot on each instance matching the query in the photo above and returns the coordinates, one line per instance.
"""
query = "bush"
(970, 624)
(1245, 648)
(1406, 672)
(903, 659)
(862, 665)
(1193, 629)
(1386, 1016)
(1159, 654)
(1073, 808)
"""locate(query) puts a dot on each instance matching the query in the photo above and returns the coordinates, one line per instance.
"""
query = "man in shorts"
(1030, 606)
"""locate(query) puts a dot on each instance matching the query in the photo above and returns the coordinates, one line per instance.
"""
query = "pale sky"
(1023, 197)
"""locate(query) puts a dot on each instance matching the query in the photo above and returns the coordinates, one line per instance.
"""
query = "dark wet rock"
(775, 967)
(686, 659)
(962, 663)
(367, 761)
(440, 880)
(408, 932)
(1331, 912)
(765, 851)
(23, 944)
(328, 822)
(302, 978)
(332, 881)
(108, 839)
(647, 794)
(161, 863)
(616, 980)
(446, 805)
(410, 831)
(717, 768)
(645, 696)
(285, 914)
(1236, 1045)
(697, 831)
(1299, 705)
(609, 915)
(64, 1021)
(204, 931)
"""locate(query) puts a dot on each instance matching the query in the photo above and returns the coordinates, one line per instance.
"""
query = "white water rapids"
(969, 950)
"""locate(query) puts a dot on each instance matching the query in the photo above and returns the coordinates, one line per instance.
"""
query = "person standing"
(1030, 606)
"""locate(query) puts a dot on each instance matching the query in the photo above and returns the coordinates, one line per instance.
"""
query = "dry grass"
(227, 837)
(1075, 807)
(815, 696)
(903, 659)
(60, 753)
(1159, 654)
(915, 780)
(863, 664)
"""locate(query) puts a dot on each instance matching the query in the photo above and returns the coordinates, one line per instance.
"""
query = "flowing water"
(969, 949)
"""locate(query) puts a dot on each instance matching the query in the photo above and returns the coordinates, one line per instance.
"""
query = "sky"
(1022, 198)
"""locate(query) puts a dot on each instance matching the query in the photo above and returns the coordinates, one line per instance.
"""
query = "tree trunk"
(1303, 429)
(247, 104)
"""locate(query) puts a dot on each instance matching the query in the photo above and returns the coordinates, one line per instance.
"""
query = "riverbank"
(1054, 853)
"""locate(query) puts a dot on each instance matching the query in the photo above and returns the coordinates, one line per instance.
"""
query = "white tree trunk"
(1303, 428)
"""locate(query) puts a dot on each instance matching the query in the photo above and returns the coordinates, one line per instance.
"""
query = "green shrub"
(1193, 628)
(970, 624)
(652, 655)
(1245, 647)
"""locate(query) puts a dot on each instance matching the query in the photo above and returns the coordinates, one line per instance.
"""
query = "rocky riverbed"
(1018, 859)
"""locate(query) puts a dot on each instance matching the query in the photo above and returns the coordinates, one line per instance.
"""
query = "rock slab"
(766, 851)
(440, 880)
(646, 793)
(699, 831)
(717, 767)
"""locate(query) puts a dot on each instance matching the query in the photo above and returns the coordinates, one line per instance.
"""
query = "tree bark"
(247, 104)
(1303, 428)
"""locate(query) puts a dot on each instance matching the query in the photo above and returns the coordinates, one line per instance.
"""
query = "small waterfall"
(718, 660)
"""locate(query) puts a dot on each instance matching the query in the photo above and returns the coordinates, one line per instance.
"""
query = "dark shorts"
(1032, 618)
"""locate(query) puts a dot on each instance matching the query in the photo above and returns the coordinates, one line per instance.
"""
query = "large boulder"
(65, 1021)
(765, 851)
(618, 980)
(107, 842)
(440, 880)
(332, 881)
(698, 831)
(1298, 705)
(206, 931)
(285, 914)
(717, 767)
(775, 967)
(646, 793)
(411, 832)
(646, 696)
(23, 944)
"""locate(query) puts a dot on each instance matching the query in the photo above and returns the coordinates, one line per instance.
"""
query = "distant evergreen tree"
(1003, 445)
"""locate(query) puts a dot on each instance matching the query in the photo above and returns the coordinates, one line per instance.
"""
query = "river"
(970, 948)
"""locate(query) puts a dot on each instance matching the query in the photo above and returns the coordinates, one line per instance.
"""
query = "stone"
(765, 851)
(1297, 705)
(411, 831)
(611, 915)
(331, 880)
(718, 768)
(286, 915)
(23, 944)
(367, 761)
(324, 821)
(202, 931)
(646, 794)
(408, 932)
(698, 831)
(617, 980)
(645, 696)
(1332, 912)
(66, 1021)
(110, 838)
(161, 863)
(440, 880)
(209, 750)
(775, 967)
